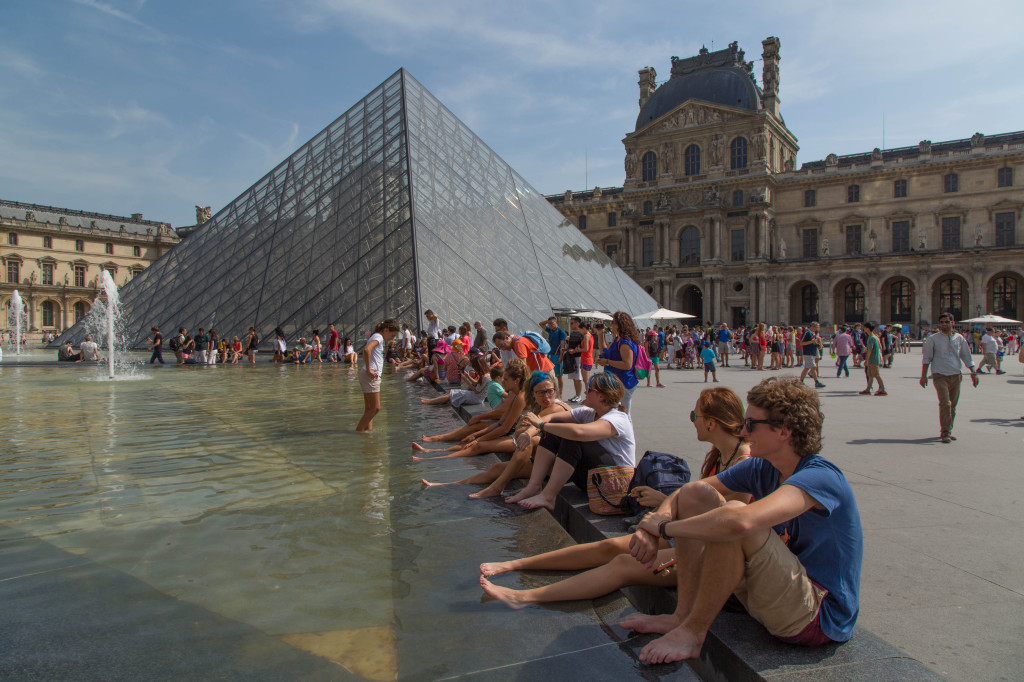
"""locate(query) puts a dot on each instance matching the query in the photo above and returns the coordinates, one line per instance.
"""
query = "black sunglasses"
(694, 415)
(749, 423)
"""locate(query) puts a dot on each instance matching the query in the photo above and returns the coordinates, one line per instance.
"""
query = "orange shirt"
(527, 350)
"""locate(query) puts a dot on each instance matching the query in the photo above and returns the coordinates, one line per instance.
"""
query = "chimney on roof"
(647, 83)
(770, 75)
(136, 217)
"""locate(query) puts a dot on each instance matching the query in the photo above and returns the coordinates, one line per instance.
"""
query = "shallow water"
(238, 506)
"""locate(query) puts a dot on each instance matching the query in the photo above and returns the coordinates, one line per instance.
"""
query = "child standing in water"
(369, 377)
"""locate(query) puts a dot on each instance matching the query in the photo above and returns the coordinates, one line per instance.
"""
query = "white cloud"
(110, 10)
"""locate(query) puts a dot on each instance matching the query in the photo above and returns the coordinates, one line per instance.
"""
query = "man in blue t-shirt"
(556, 340)
(792, 555)
(724, 337)
(811, 341)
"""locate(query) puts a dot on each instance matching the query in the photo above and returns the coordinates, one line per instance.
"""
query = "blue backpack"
(542, 344)
(659, 470)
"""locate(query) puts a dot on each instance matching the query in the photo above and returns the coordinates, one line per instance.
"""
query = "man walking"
(556, 341)
(945, 351)
(990, 348)
(842, 345)
(157, 346)
(873, 361)
(811, 342)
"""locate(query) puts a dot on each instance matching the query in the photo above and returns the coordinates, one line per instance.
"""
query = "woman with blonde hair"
(717, 418)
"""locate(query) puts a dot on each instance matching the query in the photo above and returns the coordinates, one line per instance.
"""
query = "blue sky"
(123, 106)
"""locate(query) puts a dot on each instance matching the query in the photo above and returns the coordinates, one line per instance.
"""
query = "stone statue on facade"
(717, 145)
(662, 202)
(978, 236)
(597, 192)
(876, 154)
(924, 147)
(760, 145)
(630, 164)
(922, 243)
(825, 253)
(30, 215)
(668, 157)
(711, 195)
(872, 242)
(568, 196)
(782, 247)
(202, 214)
(977, 140)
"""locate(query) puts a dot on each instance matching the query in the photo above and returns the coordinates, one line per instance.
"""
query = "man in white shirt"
(990, 347)
(945, 351)
(89, 350)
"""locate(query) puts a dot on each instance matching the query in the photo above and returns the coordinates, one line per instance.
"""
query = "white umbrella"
(990, 319)
(594, 315)
(665, 314)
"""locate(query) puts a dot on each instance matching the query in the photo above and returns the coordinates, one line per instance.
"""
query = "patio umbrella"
(593, 315)
(665, 314)
(990, 319)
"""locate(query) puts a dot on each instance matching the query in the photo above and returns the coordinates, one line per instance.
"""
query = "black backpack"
(659, 470)
(175, 342)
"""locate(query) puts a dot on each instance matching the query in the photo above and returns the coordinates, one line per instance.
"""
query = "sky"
(153, 107)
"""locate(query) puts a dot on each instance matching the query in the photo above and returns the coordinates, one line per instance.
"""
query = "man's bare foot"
(420, 459)
(424, 401)
(418, 448)
(536, 502)
(428, 484)
(677, 645)
(510, 597)
(486, 492)
(429, 439)
(647, 624)
(522, 494)
(496, 568)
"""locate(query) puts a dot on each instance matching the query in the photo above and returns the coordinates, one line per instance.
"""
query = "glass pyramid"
(394, 208)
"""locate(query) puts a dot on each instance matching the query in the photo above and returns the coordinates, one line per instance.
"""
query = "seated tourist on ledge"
(597, 434)
(792, 556)
(66, 354)
(89, 351)
(542, 402)
(718, 419)
(303, 352)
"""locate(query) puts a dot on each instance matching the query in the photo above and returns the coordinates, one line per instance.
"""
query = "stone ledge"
(738, 648)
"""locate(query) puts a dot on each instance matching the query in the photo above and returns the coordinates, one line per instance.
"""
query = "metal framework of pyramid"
(394, 208)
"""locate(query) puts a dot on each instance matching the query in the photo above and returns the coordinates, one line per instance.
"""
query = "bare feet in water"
(429, 439)
(428, 484)
(510, 597)
(495, 568)
(418, 448)
(486, 492)
(536, 502)
(522, 494)
(676, 645)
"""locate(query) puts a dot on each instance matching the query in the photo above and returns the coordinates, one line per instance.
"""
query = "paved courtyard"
(944, 557)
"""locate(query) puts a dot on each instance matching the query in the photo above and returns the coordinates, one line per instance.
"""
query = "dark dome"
(728, 85)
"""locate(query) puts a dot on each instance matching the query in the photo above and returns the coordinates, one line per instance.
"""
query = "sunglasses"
(749, 423)
(694, 415)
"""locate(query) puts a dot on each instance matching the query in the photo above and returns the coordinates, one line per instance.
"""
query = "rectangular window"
(79, 245)
(613, 219)
(47, 242)
(137, 251)
(810, 243)
(1005, 229)
(810, 198)
(951, 183)
(738, 242)
(951, 232)
(737, 198)
(48, 273)
(853, 194)
(13, 271)
(79, 275)
(108, 248)
(901, 236)
(899, 189)
(612, 250)
(853, 240)
(12, 238)
(648, 243)
(1005, 177)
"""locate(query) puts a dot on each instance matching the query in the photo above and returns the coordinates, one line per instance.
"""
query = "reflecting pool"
(229, 520)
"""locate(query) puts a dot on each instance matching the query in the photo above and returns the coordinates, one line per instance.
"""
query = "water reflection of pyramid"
(394, 208)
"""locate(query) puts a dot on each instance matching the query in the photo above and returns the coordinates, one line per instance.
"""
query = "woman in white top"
(369, 377)
(597, 434)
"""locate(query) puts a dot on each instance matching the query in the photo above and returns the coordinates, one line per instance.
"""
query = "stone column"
(826, 312)
(762, 292)
(977, 292)
(873, 297)
(627, 243)
(712, 238)
(30, 305)
(666, 254)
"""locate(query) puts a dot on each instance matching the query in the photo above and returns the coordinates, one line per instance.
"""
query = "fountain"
(14, 318)
(105, 322)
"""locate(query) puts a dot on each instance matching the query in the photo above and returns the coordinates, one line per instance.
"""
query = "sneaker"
(574, 399)
(999, 371)
(818, 384)
(661, 385)
(866, 391)
(945, 438)
(951, 436)
(881, 393)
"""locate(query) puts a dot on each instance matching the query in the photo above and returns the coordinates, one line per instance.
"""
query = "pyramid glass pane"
(395, 207)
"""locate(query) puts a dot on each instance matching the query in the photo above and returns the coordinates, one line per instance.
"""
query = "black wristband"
(661, 529)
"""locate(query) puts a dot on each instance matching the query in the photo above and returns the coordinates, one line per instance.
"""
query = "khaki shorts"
(370, 384)
(874, 371)
(809, 361)
(776, 590)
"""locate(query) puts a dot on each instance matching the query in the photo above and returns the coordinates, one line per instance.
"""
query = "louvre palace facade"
(715, 218)
(54, 256)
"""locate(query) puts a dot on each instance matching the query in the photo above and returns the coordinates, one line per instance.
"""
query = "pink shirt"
(842, 344)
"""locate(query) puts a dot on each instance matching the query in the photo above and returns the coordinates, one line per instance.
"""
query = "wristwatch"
(661, 529)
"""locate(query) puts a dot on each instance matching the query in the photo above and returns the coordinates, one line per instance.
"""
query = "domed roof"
(716, 77)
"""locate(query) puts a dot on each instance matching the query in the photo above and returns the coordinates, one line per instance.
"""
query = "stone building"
(54, 256)
(715, 219)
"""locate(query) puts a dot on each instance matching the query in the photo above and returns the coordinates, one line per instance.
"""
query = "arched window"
(80, 311)
(1004, 297)
(691, 160)
(689, 246)
(648, 208)
(808, 303)
(738, 153)
(48, 313)
(650, 167)
(951, 297)
(853, 302)
(901, 301)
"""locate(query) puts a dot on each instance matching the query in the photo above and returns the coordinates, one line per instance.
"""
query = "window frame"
(1004, 297)
(853, 194)
(951, 301)
(853, 302)
(649, 167)
(12, 238)
(810, 300)
(1006, 236)
(737, 197)
(808, 236)
(849, 231)
(950, 240)
(13, 271)
(691, 160)
(46, 273)
(899, 188)
(689, 245)
(810, 198)
(582, 222)
(738, 153)
(613, 219)
(647, 251)
(47, 241)
(80, 273)
(950, 183)
(108, 248)
(897, 228)
(738, 244)
(80, 245)
(47, 310)
(1004, 177)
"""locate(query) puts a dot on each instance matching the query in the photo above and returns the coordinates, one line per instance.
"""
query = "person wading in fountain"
(373, 365)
